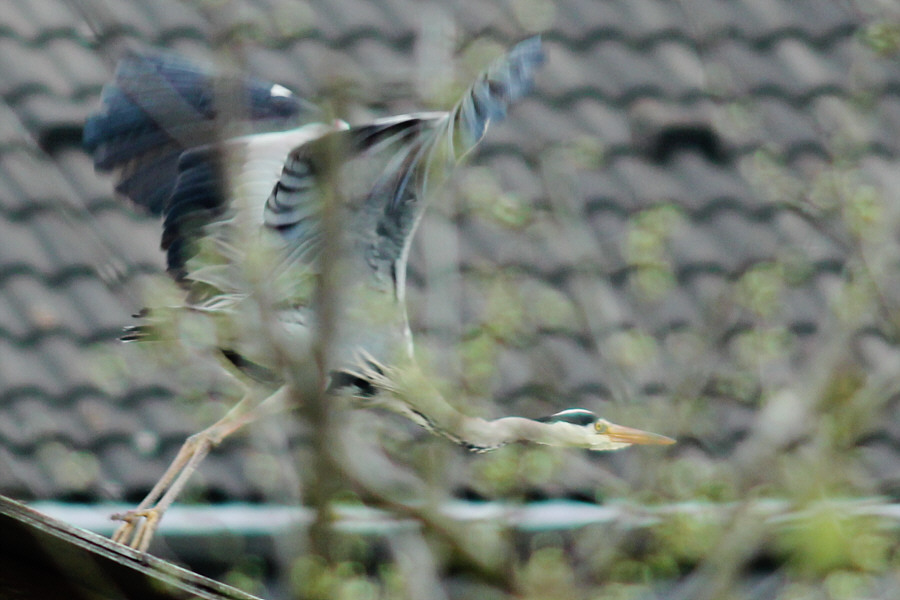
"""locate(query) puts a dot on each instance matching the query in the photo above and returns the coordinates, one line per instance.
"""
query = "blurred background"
(691, 227)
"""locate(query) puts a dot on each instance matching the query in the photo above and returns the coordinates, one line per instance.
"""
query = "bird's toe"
(137, 528)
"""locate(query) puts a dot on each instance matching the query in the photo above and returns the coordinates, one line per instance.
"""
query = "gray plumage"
(243, 234)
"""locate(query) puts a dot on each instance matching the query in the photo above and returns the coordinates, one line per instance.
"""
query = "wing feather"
(157, 128)
(384, 168)
(159, 105)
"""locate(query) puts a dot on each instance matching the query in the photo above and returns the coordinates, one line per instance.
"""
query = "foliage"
(769, 418)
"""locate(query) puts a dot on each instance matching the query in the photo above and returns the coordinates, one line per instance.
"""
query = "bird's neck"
(410, 392)
(482, 435)
(508, 430)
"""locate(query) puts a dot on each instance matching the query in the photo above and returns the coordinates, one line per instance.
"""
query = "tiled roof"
(666, 231)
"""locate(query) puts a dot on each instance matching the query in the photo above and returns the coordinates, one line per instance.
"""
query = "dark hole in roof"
(60, 137)
(699, 137)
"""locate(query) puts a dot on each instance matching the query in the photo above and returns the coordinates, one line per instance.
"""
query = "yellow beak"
(629, 435)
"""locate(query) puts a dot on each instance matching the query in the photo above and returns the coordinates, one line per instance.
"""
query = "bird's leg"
(140, 523)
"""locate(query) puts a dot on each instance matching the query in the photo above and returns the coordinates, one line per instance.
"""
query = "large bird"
(246, 233)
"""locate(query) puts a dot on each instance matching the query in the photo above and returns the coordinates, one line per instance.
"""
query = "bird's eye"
(601, 426)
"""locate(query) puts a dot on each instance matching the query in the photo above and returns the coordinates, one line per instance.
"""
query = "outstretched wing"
(157, 129)
(215, 182)
(384, 169)
(158, 120)
(159, 105)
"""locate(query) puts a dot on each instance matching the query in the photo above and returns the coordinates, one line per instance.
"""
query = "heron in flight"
(249, 209)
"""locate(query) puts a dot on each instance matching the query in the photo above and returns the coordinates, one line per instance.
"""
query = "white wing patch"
(256, 162)
(279, 91)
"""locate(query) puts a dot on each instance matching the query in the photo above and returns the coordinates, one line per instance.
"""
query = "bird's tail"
(159, 105)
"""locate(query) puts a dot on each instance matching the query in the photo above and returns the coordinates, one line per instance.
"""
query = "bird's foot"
(137, 528)
(139, 525)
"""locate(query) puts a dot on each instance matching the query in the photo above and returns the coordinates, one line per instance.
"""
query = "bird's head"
(580, 427)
